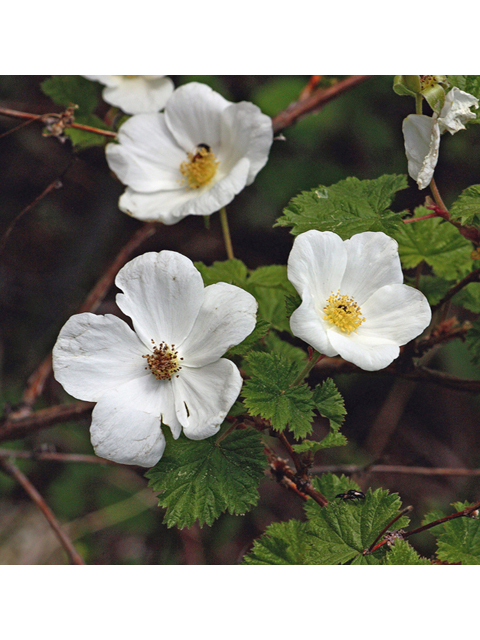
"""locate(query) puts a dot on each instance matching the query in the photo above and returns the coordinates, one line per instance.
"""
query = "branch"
(313, 102)
(65, 541)
(54, 455)
(12, 428)
(350, 469)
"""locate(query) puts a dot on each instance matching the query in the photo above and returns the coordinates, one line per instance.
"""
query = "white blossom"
(422, 133)
(191, 159)
(168, 369)
(136, 94)
(354, 302)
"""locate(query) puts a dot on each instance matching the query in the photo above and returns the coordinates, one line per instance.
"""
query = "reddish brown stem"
(37, 380)
(14, 472)
(313, 102)
(74, 125)
(12, 428)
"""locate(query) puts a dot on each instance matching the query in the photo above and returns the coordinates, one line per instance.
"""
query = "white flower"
(136, 94)
(354, 302)
(169, 368)
(193, 158)
(422, 133)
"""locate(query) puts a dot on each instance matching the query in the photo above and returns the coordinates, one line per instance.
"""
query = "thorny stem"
(226, 233)
(385, 529)
(65, 541)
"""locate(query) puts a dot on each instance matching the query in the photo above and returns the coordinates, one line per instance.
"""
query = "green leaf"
(401, 553)
(64, 90)
(199, 480)
(436, 242)
(460, 541)
(269, 285)
(472, 341)
(466, 208)
(348, 207)
(247, 345)
(469, 297)
(268, 393)
(342, 530)
(83, 139)
(282, 543)
(330, 404)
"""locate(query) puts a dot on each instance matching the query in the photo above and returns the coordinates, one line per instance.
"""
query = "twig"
(12, 428)
(38, 378)
(65, 541)
(313, 102)
(372, 547)
(74, 125)
(350, 469)
(55, 455)
(473, 276)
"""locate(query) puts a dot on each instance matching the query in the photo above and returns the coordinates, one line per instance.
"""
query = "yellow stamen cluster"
(200, 168)
(164, 362)
(343, 312)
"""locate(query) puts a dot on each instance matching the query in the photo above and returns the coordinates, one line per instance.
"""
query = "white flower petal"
(193, 116)
(94, 354)
(136, 158)
(226, 317)
(136, 94)
(397, 312)
(317, 262)
(163, 293)
(170, 207)
(124, 434)
(204, 396)
(373, 262)
(455, 111)
(307, 323)
(368, 355)
(422, 143)
(245, 132)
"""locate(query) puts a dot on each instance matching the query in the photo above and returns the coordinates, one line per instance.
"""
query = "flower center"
(343, 312)
(200, 168)
(164, 361)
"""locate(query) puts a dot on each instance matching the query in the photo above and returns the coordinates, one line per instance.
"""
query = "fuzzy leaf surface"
(343, 529)
(438, 243)
(200, 479)
(403, 554)
(64, 90)
(268, 393)
(348, 207)
(282, 543)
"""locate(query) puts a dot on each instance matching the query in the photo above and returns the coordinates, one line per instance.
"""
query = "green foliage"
(401, 553)
(269, 393)
(330, 404)
(282, 543)
(199, 480)
(347, 207)
(466, 209)
(269, 285)
(470, 84)
(436, 242)
(460, 540)
(66, 90)
(473, 341)
(341, 531)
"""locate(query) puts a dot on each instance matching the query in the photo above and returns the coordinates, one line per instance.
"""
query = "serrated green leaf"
(246, 345)
(83, 139)
(401, 553)
(268, 393)
(199, 480)
(466, 208)
(64, 90)
(330, 403)
(282, 543)
(469, 297)
(472, 341)
(230, 271)
(348, 207)
(436, 242)
(342, 530)
(460, 540)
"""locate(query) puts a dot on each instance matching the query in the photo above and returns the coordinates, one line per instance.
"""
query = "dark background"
(57, 251)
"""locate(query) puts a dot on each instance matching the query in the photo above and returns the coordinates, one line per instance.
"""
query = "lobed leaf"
(282, 543)
(466, 209)
(199, 480)
(348, 207)
(401, 553)
(460, 540)
(64, 90)
(269, 393)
